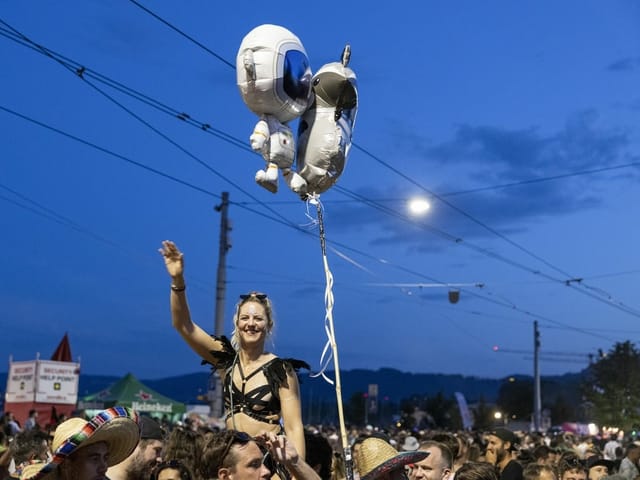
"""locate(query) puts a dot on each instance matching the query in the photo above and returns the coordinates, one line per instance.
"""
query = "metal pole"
(221, 281)
(537, 400)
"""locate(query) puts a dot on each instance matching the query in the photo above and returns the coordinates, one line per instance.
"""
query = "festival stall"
(131, 392)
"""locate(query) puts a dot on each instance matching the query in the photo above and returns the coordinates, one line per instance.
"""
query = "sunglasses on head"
(236, 437)
(575, 462)
(248, 296)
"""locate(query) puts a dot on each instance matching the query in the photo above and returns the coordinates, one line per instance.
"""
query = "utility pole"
(215, 397)
(537, 398)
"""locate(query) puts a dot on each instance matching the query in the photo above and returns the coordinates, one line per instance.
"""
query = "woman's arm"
(284, 452)
(292, 411)
(199, 340)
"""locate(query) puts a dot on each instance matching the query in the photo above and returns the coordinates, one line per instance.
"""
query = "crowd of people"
(265, 438)
(120, 444)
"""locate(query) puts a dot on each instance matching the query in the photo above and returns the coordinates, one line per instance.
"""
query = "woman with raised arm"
(260, 389)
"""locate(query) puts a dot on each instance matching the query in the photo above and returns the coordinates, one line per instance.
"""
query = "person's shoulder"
(273, 362)
(512, 471)
(224, 357)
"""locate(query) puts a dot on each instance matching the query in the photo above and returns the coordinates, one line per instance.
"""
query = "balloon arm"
(346, 55)
(259, 136)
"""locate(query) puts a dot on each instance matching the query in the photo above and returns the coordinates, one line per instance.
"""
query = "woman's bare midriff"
(244, 423)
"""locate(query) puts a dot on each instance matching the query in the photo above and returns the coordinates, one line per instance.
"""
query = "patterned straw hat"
(119, 427)
(375, 457)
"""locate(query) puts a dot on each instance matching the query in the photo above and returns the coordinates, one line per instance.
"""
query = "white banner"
(21, 382)
(465, 413)
(57, 382)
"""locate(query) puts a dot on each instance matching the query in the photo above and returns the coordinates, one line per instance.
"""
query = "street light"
(418, 206)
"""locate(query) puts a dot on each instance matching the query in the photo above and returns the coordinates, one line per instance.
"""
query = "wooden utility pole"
(215, 396)
(537, 397)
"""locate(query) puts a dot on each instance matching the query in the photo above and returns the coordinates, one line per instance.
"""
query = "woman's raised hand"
(172, 258)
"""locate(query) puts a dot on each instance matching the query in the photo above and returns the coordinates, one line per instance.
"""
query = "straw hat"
(119, 427)
(375, 457)
(410, 444)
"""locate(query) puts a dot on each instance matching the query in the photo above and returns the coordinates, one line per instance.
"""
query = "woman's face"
(574, 474)
(169, 474)
(252, 323)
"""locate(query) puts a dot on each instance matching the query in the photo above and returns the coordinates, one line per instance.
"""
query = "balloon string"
(329, 328)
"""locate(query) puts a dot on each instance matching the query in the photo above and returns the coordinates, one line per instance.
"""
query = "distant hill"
(392, 384)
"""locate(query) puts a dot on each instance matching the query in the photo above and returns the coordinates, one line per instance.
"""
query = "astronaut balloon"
(275, 81)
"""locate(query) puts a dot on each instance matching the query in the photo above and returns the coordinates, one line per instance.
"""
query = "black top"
(263, 401)
(512, 471)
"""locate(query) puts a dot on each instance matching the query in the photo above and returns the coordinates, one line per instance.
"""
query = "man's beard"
(139, 469)
(501, 455)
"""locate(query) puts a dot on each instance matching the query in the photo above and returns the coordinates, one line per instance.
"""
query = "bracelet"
(175, 288)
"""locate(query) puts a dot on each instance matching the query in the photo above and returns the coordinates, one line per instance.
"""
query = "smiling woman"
(260, 389)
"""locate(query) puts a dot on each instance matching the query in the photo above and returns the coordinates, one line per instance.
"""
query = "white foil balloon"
(325, 131)
(274, 76)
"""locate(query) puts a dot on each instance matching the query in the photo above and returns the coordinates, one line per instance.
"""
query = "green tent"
(130, 392)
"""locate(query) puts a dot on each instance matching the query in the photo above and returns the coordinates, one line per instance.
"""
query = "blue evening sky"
(521, 117)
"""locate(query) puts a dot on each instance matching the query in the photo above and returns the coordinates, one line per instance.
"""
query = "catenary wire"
(597, 294)
(369, 256)
(168, 139)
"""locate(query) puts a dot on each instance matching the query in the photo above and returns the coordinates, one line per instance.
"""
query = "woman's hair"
(570, 461)
(477, 471)
(185, 474)
(534, 470)
(185, 444)
(256, 297)
(217, 451)
(319, 454)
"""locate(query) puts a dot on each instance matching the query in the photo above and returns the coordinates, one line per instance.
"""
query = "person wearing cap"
(501, 442)
(629, 464)
(437, 465)
(142, 460)
(83, 450)
(410, 444)
(598, 467)
(376, 459)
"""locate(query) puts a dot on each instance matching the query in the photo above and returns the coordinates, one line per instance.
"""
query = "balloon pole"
(348, 460)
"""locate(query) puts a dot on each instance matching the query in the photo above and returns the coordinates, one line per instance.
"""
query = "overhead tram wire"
(569, 280)
(238, 143)
(499, 186)
(345, 247)
(141, 97)
(287, 223)
(476, 248)
(73, 65)
(151, 127)
(50, 214)
(180, 32)
(609, 298)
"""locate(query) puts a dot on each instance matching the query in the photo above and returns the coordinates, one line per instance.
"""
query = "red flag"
(63, 352)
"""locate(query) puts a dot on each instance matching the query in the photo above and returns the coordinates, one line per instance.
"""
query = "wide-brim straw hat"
(118, 427)
(375, 457)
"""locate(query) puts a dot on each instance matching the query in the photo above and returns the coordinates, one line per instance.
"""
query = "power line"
(606, 298)
(144, 122)
(176, 29)
(183, 117)
(502, 303)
